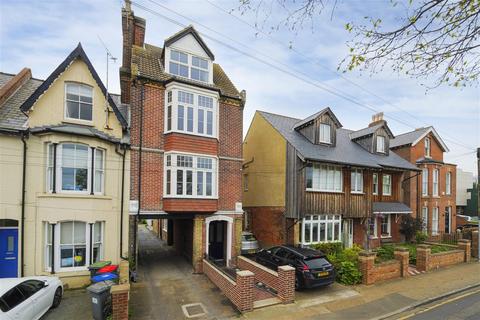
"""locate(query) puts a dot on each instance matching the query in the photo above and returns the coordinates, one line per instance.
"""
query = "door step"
(266, 303)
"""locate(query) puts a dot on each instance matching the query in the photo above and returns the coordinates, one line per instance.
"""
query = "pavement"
(167, 288)
(376, 301)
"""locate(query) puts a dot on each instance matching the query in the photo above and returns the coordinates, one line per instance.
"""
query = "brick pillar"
(402, 255)
(465, 245)
(367, 263)
(423, 257)
(197, 246)
(474, 244)
(286, 278)
(246, 295)
(120, 296)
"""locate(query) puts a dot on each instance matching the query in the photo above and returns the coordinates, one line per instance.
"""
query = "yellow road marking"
(439, 304)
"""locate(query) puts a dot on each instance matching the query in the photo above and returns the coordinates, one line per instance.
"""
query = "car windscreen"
(11, 299)
(249, 237)
(318, 262)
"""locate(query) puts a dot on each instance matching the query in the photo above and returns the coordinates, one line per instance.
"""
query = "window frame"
(172, 110)
(428, 147)
(390, 178)
(435, 221)
(331, 222)
(59, 168)
(173, 168)
(375, 184)
(425, 219)
(189, 64)
(425, 178)
(383, 149)
(321, 133)
(318, 171)
(65, 117)
(354, 185)
(373, 219)
(448, 183)
(388, 225)
(435, 182)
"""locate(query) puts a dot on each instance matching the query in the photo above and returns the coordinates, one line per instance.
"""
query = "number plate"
(322, 274)
(251, 251)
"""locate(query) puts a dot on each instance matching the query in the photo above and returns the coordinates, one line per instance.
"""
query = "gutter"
(122, 196)
(24, 175)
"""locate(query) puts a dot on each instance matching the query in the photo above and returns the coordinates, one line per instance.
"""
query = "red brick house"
(186, 138)
(309, 181)
(432, 194)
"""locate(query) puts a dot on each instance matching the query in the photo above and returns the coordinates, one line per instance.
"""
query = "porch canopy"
(391, 208)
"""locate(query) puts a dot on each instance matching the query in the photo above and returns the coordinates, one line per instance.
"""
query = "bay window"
(192, 112)
(78, 101)
(189, 66)
(327, 178)
(387, 185)
(76, 245)
(190, 176)
(321, 228)
(357, 181)
(385, 226)
(75, 169)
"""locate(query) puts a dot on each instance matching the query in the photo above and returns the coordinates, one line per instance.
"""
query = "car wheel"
(57, 297)
(298, 285)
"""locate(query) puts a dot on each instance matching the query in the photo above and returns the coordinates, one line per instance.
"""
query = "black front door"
(216, 241)
(448, 218)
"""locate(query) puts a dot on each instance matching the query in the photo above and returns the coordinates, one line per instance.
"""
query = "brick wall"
(474, 244)
(373, 272)
(240, 292)
(268, 225)
(120, 296)
(282, 281)
(427, 261)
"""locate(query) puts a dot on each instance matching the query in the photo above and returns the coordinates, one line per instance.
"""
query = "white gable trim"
(435, 135)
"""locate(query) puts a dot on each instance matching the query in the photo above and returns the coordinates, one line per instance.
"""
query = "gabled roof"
(413, 137)
(370, 130)
(148, 60)
(189, 30)
(77, 53)
(314, 116)
(345, 151)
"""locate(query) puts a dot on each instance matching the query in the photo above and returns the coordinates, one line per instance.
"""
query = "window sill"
(81, 122)
(386, 237)
(325, 191)
(74, 196)
(386, 195)
(356, 192)
(189, 197)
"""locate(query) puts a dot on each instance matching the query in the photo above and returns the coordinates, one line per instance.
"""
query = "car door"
(18, 306)
(39, 294)
(280, 257)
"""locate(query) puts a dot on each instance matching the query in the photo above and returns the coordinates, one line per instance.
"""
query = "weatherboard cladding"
(147, 62)
(345, 152)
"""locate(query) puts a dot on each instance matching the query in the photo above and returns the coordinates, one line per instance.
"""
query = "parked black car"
(312, 267)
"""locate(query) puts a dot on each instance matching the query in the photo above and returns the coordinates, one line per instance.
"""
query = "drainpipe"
(24, 174)
(122, 196)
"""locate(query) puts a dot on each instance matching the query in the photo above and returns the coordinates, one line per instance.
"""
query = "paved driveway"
(75, 305)
(166, 284)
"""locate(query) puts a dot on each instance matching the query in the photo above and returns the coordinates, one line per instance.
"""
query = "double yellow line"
(439, 304)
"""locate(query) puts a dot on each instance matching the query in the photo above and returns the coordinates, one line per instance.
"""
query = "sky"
(40, 34)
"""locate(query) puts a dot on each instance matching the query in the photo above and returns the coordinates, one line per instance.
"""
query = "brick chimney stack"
(377, 119)
(9, 88)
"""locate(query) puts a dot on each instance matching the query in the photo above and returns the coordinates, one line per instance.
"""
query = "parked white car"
(28, 298)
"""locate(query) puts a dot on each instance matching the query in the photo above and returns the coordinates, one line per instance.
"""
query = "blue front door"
(8, 253)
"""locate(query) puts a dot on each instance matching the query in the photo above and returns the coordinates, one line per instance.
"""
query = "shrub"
(421, 237)
(348, 273)
(385, 253)
(409, 226)
(329, 247)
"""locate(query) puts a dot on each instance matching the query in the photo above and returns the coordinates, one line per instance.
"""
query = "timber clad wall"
(312, 132)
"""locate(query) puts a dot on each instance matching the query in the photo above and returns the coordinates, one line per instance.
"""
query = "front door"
(216, 235)
(448, 219)
(347, 233)
(8, 253)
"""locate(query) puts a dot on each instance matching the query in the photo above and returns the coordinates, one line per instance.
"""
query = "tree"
(435, 39)
(409, 226)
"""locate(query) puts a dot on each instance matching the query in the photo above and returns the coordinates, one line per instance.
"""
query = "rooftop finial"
(128, 5)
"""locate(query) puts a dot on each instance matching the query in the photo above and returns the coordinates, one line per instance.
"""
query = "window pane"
(168, 181)
(185, 97)
(68, 155)
(169, 118)
(179, 182)
(199, 183)
(183, 71)
(180, 117)
(329, 232)
(97, 234)
(80, 256)
(81, 156)
(98, 159)
(201, 122)
(209, 122)
(68, 179)
(195, 73)
(66, 256)
(315, 232)
(200, 63)
(322, 231)
(307, 232)
(86, 111)
(309, 174)
(79, 232)
(81, 178)
(73, 109)
(204, 101)
(209, 183)
(189, 182)
(190, 119)
(98, 181)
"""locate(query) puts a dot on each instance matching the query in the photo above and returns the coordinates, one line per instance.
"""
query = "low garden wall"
(121, 293)
(373, 272)
(282, 281)
(240, 292)
(475, 244)
(426, 260)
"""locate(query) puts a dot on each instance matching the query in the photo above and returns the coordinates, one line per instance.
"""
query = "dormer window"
(78, 101)
(427, 147)
(381, 144)
(188, 66)
(325, 133)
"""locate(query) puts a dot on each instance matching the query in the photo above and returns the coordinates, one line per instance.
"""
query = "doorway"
(448, 219)
(216, 242)
(347, 233)
(8, 248)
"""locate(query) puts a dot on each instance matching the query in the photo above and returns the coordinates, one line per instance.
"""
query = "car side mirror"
(45, 284)
(269, 251)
